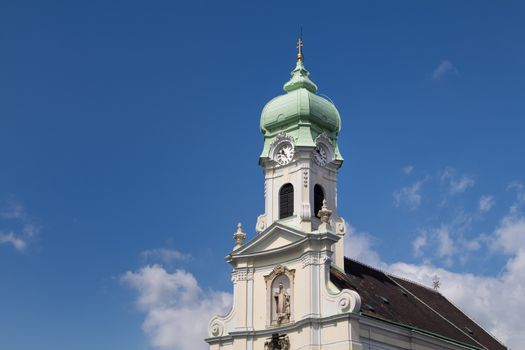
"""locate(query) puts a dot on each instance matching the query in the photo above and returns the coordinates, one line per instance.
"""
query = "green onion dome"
(300, 106)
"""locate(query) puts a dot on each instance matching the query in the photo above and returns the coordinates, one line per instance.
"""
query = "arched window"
(286, 201)
(318, 199)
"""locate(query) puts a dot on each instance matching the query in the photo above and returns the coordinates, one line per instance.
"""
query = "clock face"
(320, 156)
(284, 154)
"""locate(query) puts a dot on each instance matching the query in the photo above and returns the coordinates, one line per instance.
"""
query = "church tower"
(283, 297)
(300, 157)
(293, 289)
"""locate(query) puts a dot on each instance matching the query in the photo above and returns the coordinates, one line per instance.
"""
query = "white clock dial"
(320, 156)
(284, 154)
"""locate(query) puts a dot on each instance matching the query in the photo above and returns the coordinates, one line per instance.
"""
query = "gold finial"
(300, 49)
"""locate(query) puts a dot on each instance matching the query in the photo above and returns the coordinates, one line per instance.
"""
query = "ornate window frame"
(277, 271)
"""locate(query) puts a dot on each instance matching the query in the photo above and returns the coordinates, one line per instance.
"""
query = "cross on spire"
(300, 48)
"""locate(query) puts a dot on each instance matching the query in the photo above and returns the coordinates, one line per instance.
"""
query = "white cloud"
(408, 169)
(439, 238)
(14, 214)
(442, 69)
(480, 296)
(165, 255)
(11, 238)
(486, 203)
(13, 210)
(419, 243)
(520, 195)
(409, 196)
(177, 309)
(461, 185)
(446, 247)
(456, 185)
(360, 247)
(451, 240)
(473, 244)
(510, 235)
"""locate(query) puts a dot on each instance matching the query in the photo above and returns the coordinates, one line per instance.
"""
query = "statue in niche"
(280, 296)
(282, 305)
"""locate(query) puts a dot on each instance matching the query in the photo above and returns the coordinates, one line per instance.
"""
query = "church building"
(293, 288)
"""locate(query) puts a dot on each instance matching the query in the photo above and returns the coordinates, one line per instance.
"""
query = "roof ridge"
(392, 275)
(470, 318)
(365, 264)
(435, 311)
(414, 282)
(450, 301)
(389, 274)
(477, 324)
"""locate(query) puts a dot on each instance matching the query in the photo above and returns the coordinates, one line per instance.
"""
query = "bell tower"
(300, 157)
(283, 296)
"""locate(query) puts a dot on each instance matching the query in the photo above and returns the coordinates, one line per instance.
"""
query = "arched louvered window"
(286, 201)
(318, 198)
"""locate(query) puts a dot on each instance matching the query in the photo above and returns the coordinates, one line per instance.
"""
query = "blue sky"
(129, 142)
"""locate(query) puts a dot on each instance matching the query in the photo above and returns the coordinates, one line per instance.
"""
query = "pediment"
(274, 238)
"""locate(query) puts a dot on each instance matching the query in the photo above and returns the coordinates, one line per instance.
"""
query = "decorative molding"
(315, 259)
(305, 212)
(220, 326)
(344, 303)
(279, 270)
(323, 138)
(324, 259)
(242, 275)
(307, 322)
(261, 223)
(305, 178)
(309, 259)
(282, 136)
(216, 328)
(348, 301)
(340, 226)
(238, 276)
(249, 275)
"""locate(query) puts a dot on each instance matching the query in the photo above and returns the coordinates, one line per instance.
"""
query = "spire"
(300, 74)
(300, 48)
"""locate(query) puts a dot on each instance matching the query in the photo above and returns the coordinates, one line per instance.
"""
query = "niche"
(279, 289)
